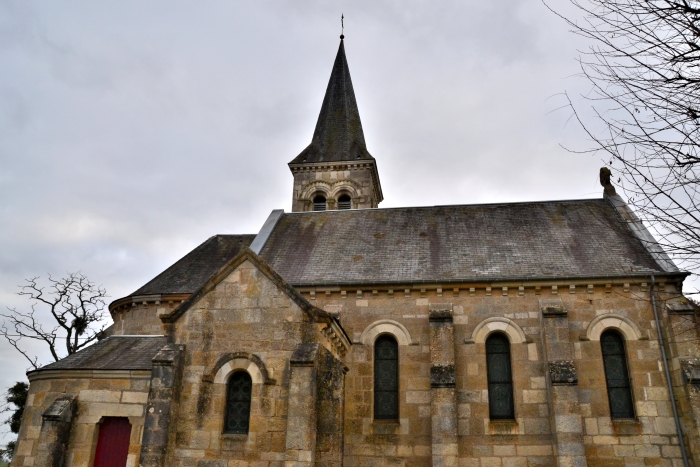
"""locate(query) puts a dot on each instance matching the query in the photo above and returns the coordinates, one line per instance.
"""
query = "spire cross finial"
(342, 27)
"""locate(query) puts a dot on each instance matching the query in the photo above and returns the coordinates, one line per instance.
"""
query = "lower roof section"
(112, 353)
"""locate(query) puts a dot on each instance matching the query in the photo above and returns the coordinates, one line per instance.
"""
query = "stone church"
(530, 334)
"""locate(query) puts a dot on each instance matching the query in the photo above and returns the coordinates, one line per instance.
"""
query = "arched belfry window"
(238, 392)
(386, 378)
(616, 375)
(500, 377)
(319, 203)
(344, 202)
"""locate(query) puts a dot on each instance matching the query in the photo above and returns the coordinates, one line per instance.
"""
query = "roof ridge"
(580, 200)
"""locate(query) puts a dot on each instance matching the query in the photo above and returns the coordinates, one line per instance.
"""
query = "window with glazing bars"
(616, 375)
(344, 202)
(238, 394)
(319, 203)
(500, 378)
(386, 378)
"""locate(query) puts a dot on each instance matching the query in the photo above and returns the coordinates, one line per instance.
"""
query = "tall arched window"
(344, 202)
(616, 375)
(500, 377)
(386, 378)
(238, 392)
(319, 203)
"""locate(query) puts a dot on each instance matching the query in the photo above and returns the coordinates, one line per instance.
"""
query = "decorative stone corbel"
(562, 373)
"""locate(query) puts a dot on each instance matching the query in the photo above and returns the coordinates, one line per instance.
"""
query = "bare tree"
(644, 68)
(71, 308)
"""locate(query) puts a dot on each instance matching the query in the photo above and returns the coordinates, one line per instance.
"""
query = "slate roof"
(113, 353)
(515, 241)
(196, 267)
(338, 135)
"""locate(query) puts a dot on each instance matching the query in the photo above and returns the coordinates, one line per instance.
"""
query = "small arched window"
(500, 378)
(238, 392)
(386, 378)
(319, 203)
(616, 375)
(344, 202)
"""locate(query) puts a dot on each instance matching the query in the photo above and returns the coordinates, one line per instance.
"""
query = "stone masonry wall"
(246, 322)
(355, 181)
(98, 396)
(650, 439)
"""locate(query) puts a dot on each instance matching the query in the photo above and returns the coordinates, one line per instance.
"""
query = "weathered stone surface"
(691, 370)
(442, 376)
(55, 432)
(161, 405)
(563, 372)
(552, 307)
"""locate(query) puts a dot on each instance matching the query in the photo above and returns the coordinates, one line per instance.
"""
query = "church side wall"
(98, 396)
(528, 440)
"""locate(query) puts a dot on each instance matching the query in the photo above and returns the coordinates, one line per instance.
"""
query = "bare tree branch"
(73, 304)
(644, 71)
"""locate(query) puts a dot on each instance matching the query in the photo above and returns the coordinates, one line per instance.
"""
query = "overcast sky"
(132, 131)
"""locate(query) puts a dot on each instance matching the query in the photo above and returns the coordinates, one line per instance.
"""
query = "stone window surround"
(237, 364)
(385, 326)
(613, 321)
(330, 191)
(497, 324)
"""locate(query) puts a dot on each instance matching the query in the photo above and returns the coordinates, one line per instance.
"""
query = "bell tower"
(336, 171)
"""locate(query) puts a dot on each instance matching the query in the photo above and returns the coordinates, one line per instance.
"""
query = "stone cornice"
(39, 374)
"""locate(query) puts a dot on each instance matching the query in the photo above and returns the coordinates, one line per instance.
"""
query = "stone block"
(645, 450)
(132, 397)
(591, 426)
(537, 382)
(646, 409)
(568, 423)
(533, 396)
(418, 397)
(505, 450)
(656, 394)
(101, 395)
(115, 410)
(665, 425)
(491, 462)
(515, 462)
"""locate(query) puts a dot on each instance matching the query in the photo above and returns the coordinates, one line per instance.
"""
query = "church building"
(533, 334)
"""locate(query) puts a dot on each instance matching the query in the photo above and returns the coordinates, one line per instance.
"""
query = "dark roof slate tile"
(338, 135)
(579, 238)
(113, 353)
(197, 266)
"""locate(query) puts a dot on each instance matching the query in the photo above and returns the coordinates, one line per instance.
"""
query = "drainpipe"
(681, 441)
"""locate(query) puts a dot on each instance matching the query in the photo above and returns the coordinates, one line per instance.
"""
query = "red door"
(113, 442)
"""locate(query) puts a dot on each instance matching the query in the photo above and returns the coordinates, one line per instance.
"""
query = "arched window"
(238, 393)
(386, 378)
(500, 377)
(344, 202)
(616, 375)
(319, 203)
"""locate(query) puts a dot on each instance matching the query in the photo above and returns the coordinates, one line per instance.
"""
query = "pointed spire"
(338, 135)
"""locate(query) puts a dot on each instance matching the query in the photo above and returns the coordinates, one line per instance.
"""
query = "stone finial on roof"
(608, 187)
(338, 135)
